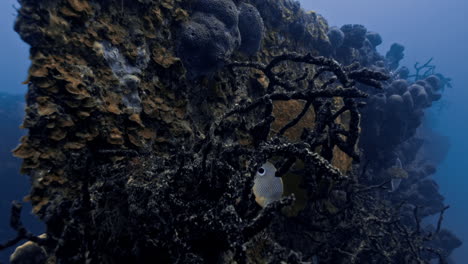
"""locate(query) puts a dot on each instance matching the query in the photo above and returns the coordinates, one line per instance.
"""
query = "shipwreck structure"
(147, 121)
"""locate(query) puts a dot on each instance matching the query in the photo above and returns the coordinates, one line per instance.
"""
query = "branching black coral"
(427, 69)
(314, 94)
(195, 204)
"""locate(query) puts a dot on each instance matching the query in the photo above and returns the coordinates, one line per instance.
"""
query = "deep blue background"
(14, 53)
(14, 65)
(427, 28)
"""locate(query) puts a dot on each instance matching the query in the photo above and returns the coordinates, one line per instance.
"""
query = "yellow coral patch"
(137, 119)
(58, 134)
(168, 4)
(180, 14)
(74, 145)
(147, 133)
(112, 102)
(159, 16)
(115, 137)
(150, 108)
(65, 122)
(341, 160)
(38, 71)
(38, 206)
(68, 12)
(80, 6)
(23, 151)
(285, 111)
(164, 58)
(46, 109)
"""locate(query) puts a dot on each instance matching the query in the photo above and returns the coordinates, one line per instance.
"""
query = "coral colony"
(151, 123)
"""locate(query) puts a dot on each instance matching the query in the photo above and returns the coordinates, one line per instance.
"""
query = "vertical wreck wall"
(105, 78)
(124, 101)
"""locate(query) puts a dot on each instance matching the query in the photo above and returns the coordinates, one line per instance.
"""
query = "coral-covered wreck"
(147, 121)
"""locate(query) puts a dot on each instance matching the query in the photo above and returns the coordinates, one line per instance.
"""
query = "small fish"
(395, 184)
(397, 170)
(267, 188)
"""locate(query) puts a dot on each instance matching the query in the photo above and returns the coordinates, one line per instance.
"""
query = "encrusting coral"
(148, 122)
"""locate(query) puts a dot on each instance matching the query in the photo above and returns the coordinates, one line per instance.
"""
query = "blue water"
(14, 65)
(14, 52)
(427, 28)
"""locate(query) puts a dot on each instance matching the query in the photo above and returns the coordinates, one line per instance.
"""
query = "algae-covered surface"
(148, 122)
